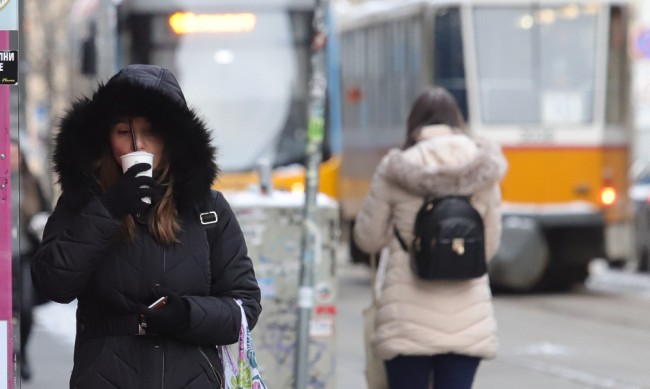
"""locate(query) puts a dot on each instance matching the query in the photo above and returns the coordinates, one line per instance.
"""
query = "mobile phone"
(159, 304)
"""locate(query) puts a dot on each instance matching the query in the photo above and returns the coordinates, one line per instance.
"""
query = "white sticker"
(306, 297)
(321, 327)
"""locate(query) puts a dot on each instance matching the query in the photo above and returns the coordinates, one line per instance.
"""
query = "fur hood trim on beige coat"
(462, 166)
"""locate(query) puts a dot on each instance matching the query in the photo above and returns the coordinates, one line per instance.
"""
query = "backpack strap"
(207, 214)
(400, 239)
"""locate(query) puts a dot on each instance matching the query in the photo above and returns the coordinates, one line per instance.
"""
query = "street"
(596, 336)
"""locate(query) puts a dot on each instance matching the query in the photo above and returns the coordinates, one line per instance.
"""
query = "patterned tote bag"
(241, 372)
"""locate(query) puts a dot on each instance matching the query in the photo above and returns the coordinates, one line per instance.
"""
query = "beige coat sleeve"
(488, 203)
(373, 226)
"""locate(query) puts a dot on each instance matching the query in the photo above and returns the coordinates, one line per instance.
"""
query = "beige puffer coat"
(418, 317)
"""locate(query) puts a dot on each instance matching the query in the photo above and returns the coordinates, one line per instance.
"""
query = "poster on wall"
(8, 67)
(8, 15)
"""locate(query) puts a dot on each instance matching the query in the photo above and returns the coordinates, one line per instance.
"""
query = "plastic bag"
(241, 372)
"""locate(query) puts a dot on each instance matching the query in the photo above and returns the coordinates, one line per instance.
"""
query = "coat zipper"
(214, 371)
(162, 373)
(164, 261)
(164, 268)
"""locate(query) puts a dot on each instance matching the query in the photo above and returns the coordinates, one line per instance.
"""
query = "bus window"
(536, 65)
(448, 58)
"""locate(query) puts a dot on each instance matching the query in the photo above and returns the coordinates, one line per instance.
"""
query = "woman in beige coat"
(444, 327)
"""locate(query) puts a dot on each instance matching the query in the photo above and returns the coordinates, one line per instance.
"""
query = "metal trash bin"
(272, 226)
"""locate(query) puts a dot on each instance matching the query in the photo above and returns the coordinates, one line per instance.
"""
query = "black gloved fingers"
(137, 168)
(158, 193)
(160, 291)
(146, 191)
(125, 196)
(144, 181)
(170, 319)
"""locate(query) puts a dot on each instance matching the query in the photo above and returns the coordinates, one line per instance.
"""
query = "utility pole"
(311, 239)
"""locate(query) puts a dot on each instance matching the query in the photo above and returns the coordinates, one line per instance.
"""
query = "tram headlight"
(297, 187)
(607, 196)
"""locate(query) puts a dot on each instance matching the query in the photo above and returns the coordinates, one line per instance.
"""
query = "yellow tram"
(549, 80)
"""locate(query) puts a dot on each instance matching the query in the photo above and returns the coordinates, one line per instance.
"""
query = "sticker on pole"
(8, 67)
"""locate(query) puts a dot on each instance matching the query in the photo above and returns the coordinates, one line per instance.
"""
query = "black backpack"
(449, 240)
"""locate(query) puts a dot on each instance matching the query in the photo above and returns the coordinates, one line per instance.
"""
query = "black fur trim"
(84, 137)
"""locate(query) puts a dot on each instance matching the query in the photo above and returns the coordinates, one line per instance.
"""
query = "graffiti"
(274, 237)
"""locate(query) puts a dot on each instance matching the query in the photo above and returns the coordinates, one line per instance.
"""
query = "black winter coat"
(85, 256)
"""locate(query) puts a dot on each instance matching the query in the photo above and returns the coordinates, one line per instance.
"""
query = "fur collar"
(445, 163)
(145, 90)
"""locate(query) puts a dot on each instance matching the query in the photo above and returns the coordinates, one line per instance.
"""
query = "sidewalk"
(51, 360)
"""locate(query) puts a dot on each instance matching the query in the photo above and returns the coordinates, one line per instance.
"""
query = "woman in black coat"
(116, 254)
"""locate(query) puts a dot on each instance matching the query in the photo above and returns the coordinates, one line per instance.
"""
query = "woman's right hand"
(125, 197)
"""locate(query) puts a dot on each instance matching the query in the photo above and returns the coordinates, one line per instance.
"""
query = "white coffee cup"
(134, 158)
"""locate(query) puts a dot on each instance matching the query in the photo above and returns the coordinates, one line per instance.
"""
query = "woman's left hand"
(172, 318)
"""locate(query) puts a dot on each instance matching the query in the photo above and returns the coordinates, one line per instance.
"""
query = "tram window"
(372, 78)
(535, 65)
(356, 84)
(414, 64)
(399, 75)
(616, 104)
(89, 51)
(568, 67)
(383, 44)
(505, 66)
(352, 62)
(448, 57)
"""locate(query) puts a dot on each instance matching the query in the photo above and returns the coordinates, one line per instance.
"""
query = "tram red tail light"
(608, 195)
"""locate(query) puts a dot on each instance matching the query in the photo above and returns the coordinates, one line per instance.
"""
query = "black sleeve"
(73, 243)
(233, 278)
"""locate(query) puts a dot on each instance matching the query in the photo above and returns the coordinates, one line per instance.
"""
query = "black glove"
(171, 319)
(158, 193)
(125, 197)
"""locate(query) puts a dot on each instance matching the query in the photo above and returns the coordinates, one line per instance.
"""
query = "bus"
(244, 65)
(548, 80)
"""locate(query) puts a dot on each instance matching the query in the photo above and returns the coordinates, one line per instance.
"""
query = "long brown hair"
(162, 222)
(434, 106)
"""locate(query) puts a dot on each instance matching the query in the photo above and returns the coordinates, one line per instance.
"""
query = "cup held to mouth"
(136, 157)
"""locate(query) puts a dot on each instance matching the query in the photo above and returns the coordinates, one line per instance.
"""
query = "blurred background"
(562, 85)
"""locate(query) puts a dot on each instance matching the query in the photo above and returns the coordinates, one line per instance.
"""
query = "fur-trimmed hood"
(137, 90)
(444, 162)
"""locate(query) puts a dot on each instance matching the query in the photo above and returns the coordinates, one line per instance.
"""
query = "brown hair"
(434, 106)
(162, 223)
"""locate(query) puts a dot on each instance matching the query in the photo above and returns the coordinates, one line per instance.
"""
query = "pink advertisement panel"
(6, 349)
